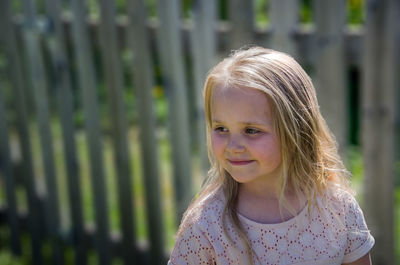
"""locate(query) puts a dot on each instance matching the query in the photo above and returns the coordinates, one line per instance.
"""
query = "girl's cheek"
(265, 147)
(217, 144)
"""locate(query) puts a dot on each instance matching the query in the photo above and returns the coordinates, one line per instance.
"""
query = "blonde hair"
(310, 160)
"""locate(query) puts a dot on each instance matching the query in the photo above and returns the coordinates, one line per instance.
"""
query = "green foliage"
(16, 6)
(223, 13)
(93, 7)
(6, 258)
(161, 105)
(261, 9)
(356, 11)
(121, 6)
(186, 6)
(151, 6)
(355, 8)
(355, 163)
(306, 11)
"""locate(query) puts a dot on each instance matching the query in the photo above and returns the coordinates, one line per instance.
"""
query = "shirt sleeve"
(192, 247)
(359, 239)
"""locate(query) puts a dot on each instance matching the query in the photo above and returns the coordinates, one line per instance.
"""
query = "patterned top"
(335, 232)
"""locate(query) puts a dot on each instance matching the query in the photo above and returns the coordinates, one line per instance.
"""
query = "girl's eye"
(252, 131)
(220, 129)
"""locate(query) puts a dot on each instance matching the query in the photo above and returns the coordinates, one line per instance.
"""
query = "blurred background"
(102, 134)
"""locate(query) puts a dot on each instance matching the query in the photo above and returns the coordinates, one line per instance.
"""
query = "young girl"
(277, 191)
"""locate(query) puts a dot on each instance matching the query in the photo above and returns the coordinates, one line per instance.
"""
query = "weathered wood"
(39, 86)
(284, 17)
(113, 78)
(175, 84)
(6, 172)
(143, 84)
(396, 58)
(303, 38)
(331, 85)
(241, 16)
(56, 42)
(87, 82)
(203, 44)
(378, 107)
(15, 70)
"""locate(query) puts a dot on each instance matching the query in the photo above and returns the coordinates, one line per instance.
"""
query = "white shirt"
(334, 234)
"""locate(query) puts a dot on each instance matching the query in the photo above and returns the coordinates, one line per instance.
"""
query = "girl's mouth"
(240, 162)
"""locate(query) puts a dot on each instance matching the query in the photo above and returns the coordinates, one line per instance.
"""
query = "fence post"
(114, 82)
(241, 17)
(330, 20)
(6, 171)
(378, 109)
(15, 70)
(143, 84)
(88, 84)
(56, 41)
(203, 53)
(169, 40)
(284, 17)
(39, 85)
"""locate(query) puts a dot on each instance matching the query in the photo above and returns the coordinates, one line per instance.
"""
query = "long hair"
(310, 160)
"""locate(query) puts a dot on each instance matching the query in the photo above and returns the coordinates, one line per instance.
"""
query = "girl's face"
(243, 138)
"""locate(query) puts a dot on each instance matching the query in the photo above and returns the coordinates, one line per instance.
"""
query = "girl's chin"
(243, 179)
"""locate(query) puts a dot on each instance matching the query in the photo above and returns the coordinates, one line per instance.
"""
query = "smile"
(240, 162)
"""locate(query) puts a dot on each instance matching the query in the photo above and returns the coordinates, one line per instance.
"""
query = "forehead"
(244, 103)
(239, 95)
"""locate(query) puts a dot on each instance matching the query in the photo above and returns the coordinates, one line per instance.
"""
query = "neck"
(263, 190)
(261, 203)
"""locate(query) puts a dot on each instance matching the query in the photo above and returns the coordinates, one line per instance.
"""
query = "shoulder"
(192, 246)
(345, 210)
(208, 209)
(198, 232)
(339, 200)
(342, 204)
(203, 218)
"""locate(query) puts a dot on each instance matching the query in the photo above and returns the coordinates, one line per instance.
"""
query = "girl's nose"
(235, 145)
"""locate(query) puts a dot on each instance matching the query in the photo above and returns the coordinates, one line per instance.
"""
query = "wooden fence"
(52, 56)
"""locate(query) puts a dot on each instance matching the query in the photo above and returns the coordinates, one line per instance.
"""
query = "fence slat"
(330, 20)
(113, 74)
(15, 69)
(143, 83)
(6, 171)
(56, 42)
(87, 82)
(174, 81)
(284, 18)
(38, 83)
(203, 44)
(304, 38)
(241, 16)
(380, 83)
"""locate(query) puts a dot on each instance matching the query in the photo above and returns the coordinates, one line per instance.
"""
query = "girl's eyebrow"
(256, 123)
(247, 123)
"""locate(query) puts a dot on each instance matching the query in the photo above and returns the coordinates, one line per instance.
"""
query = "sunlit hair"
(310, 160)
